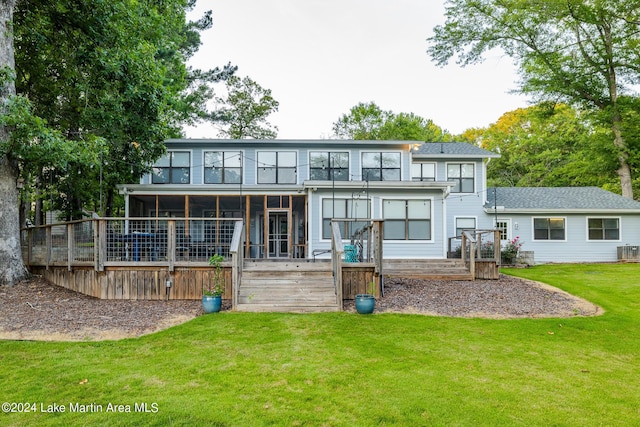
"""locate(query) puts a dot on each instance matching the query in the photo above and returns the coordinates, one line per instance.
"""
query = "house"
(288, 192)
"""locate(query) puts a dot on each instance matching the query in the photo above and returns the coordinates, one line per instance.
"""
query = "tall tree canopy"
(111, 78)
(581, 52)
(245, 110)
(547, 145)
(367, 121)
(100, 86)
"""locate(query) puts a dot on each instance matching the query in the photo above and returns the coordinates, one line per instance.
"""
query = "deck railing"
(101, 242)
(484, 247)
(364, 247)
(237, 261)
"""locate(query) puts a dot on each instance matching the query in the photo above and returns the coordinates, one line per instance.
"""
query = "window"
(222, 167)
(604, 228)
(381, 166)
(548, 229)
(464, 224)
(172, 168)
(407, 219)
(277, 167)
(343, 209)
(502, 225)
(326, 166)
(423, 171)
(463, 175)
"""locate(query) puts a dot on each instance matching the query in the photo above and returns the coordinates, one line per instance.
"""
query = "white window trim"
(431, 219)
(349, 163)
(533, 231)
(191, 168)
(321, 217)
(435, 168)
(475, 175)
(402, 157)
(257, 166)
(619, 239)
(509, 231)
(242, 162)
(455, 220)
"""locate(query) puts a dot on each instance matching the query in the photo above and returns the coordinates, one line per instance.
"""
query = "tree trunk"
(624, 170)
(12, 268)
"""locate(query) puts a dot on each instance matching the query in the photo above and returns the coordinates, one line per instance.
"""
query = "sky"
(321, 57)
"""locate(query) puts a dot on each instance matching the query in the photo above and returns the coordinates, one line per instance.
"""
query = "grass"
(347, 369)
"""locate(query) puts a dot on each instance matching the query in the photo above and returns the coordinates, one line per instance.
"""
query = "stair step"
(283, 308)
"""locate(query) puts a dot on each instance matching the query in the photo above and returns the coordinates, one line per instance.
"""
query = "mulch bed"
(37, 310)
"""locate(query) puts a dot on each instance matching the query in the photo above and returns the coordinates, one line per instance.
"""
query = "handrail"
(235, 249)
(337, 252)
(467, 236)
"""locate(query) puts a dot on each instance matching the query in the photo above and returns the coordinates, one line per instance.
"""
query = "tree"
(363, 122)
(367, 121)
(245, 110)
(13, 268)
(111, 78)
(96, 80)
(545, 145)
(585, 53)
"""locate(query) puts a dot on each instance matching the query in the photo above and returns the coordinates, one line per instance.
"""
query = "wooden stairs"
(434, 269)
(293, 286)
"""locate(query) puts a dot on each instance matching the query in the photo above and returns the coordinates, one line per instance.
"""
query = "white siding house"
(288, 191)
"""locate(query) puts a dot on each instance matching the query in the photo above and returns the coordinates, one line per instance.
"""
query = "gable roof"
(558, 199)
(451, 149)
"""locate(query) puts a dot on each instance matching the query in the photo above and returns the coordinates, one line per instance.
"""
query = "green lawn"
(348, 369)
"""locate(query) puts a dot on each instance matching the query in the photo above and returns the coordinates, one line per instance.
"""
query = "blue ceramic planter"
(365, 303)
(211, 304)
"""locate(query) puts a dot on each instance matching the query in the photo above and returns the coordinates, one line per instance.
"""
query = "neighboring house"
(288, 191)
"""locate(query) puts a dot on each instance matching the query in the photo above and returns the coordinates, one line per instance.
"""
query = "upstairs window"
(548, 229)
(222, 167)
(463, 175)
(328, 166)
(604, 228)
(172, 168)
(423, 171)
(381, 166)
(277, 167)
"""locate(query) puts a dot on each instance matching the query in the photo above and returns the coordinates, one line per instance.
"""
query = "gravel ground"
(38, 310)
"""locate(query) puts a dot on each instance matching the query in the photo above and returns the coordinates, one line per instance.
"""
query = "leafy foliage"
(111, 79)
(546, 145)
(245, 110)
(581, 53)
(367, 121)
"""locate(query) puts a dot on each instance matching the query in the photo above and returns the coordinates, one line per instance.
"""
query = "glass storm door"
(278, 234)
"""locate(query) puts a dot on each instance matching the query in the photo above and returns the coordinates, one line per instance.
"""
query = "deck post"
(171, 244)
(70, 246)
(236, 250)
(337, 252)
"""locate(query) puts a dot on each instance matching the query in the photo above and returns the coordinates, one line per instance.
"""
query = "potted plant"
(365, 303)
(212, 294)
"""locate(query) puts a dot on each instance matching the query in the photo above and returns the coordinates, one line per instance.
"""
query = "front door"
(278, 234)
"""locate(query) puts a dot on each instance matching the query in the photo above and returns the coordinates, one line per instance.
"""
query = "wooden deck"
(82, 257)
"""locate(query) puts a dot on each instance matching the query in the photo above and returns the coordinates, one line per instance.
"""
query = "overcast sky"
(322, 57)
